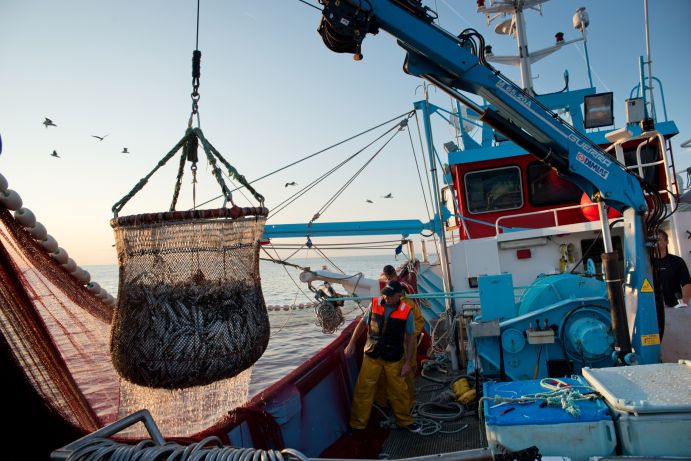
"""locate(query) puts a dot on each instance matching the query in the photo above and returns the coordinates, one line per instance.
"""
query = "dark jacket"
(386, 336)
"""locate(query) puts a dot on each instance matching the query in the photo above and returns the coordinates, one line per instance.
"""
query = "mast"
(649, 60)
(439, 228)
(516, 26)
(523, 56)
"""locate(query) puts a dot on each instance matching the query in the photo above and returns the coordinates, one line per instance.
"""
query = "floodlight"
(599, 110)
(450, 147)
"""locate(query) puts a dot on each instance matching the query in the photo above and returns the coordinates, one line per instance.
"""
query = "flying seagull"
(369, 201)
(48, 122)
(55, 154)
(100, 138)
(125, 151)
(389, 195)
(291, 184)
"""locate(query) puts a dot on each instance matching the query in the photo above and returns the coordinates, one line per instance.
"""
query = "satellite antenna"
(506, 27)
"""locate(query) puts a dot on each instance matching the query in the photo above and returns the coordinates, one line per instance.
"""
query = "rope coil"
(211, 448)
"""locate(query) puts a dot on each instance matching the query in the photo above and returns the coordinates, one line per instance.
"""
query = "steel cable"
(314, 154)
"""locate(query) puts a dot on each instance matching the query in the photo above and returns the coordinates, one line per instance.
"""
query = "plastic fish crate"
(651, 405)
(554, 431)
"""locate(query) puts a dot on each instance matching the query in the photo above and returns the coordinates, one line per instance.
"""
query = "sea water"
(294, 335)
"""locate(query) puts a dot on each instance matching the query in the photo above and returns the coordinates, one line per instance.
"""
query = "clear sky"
(271, 93)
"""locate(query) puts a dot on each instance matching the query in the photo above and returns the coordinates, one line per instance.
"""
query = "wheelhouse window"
(497, 189)
(546, 188)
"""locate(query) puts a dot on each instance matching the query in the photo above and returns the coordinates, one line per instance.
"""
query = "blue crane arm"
(450, 63)
(455, 64)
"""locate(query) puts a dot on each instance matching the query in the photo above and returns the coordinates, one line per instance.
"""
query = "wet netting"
(190, 309)
(190, 306)
(56, 331)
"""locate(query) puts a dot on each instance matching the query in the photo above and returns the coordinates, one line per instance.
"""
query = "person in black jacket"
(388, 350)
(672, 280)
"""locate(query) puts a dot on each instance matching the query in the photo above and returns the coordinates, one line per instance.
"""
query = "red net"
(58, 334)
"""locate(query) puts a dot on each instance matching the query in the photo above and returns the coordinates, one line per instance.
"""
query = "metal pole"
(649, 60)
(587, 58)
(443, 257)
(604, 220)
(615, 294)
(524, 57)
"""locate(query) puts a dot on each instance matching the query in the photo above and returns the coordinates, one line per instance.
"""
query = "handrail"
(671, 181)
(142, 416)
(554, 211)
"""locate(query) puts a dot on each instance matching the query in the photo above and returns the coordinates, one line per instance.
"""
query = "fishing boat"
(512, 280)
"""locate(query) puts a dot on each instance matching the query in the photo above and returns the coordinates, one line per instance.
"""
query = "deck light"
(523, 243)
(599, 110)
(450, 147)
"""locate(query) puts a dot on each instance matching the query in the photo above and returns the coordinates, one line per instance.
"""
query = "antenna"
(506, 27)
(516, 26)
(580, 22)
(649, 61)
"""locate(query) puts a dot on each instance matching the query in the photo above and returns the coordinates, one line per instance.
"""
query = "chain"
(194, 185)
(196, 73)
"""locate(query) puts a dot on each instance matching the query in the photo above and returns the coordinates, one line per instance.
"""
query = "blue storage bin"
(553, 430)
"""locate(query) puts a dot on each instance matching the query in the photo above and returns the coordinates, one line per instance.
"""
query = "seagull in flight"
(369, 201)
(55, 154)
(389, 195)
(291, 184)
(48, 122)
(100, 138)
(124, 150)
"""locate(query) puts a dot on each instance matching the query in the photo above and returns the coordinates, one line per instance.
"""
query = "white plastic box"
(552, 430)
(651, 406)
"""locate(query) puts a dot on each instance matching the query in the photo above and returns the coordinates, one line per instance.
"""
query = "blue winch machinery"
(560, 324)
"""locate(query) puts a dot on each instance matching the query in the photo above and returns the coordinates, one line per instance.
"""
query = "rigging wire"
(419, 174)
(281, 206)
(309, 4)
(288, 318)
(327, 258)
(373, 242)
(427, 167)
(422, 154)
(338, 193)
(288, 273)
(196, 43)
(317, 153)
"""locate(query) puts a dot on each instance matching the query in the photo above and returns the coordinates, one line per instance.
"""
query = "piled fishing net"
(328, 313)
(190, 307)
(329, 316)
